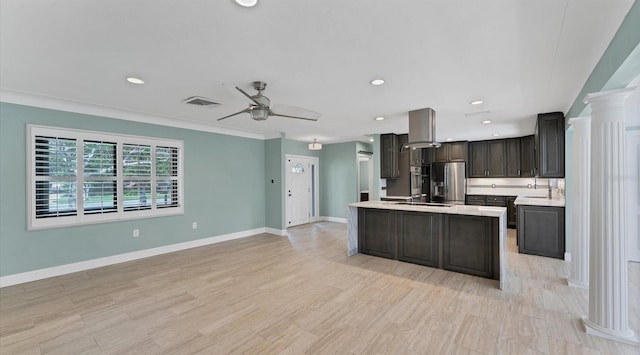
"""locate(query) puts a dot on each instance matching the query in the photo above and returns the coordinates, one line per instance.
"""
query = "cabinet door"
(376, 232)
(478, 159)
(415, 156)
(550, 147)
(427, 156)
(511, 212)
(468, 245)
(418, 238)
(513, 157)
(389, 156)
(541, 231)
(496, 158)
(527, 156)
(441, 154)
(458, 151)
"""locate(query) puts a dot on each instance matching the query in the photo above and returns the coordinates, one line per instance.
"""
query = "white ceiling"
(520, 57)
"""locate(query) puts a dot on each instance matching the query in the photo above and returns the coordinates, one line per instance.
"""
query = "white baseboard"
(40, 274)
(333, 219)
(274, 231)
(567, 256)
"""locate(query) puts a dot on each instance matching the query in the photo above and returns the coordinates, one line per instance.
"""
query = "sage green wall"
(338, 178)
(223, 195)
(273, 183)
(615, 59)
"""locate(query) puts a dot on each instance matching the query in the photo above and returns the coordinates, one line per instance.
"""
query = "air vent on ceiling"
(200, 101)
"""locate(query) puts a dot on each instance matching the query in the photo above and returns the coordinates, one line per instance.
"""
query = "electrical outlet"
(194, 225)
(136, 233)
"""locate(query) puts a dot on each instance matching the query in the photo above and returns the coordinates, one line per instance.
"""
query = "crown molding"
(60, 104)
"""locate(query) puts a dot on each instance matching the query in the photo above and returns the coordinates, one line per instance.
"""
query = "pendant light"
(315, 145)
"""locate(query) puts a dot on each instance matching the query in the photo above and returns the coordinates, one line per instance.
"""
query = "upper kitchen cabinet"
(420, 156)
(549, 140)
(488, 159)
(513, 157)
(527, 157)
(389, 156)
(449, 152)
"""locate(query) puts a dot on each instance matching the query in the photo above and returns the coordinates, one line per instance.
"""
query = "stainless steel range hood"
(422, 128)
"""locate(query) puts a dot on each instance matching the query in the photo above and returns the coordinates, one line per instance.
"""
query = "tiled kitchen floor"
(302, 294)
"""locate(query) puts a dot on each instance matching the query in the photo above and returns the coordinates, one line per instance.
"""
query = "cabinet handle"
(518, 172)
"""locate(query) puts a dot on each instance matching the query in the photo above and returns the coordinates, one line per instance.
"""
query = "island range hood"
(422, 128)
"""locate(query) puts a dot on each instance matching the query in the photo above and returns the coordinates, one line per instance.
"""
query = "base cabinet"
(468, 245)
(541, 231)
(459, 243)
(376, 232)
(418, 235)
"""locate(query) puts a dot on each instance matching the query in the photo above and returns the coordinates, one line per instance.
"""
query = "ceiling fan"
(260, 108)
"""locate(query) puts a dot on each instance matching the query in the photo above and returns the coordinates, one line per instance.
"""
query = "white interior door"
(298, 192)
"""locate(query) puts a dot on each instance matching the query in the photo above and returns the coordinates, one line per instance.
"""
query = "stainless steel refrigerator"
(448, 182)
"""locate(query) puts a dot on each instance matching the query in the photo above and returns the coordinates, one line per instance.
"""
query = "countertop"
(487, 211)
(539, 201)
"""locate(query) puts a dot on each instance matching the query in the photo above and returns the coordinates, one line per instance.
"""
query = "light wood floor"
(301, 294)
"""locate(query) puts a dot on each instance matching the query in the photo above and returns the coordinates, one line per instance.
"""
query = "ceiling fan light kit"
(315, 145)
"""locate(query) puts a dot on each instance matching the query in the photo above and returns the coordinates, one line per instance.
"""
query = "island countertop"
(487, 211)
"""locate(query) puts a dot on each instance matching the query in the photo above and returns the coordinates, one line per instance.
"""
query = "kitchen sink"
(434, 204)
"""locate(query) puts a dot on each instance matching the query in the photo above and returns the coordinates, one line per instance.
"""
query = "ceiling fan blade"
(233, 114)
(271, 113)
(296, 112)
(248, 96)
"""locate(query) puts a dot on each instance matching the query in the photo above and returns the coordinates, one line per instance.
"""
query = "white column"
(581, 160)
(608, 283)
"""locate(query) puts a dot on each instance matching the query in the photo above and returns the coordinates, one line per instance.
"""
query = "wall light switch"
(136, 233)
(194, 225)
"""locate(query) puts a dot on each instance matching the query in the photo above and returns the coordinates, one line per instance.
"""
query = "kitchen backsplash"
(515, 187)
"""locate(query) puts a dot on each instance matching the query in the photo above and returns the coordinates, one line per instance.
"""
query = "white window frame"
(81, 218)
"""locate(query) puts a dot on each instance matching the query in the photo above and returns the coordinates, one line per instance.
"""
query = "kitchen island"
(460, 238)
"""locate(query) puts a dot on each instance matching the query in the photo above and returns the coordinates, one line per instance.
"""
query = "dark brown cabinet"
(376, 232)
(488, 159)
(527, 157)
(420, 156)
(468, 245)
(418, 235)
(513, 157)
(448, 152)
(460, 243)
(512, 212)
(389, 156)
(476, 200)
(549, 140)
(541, 231)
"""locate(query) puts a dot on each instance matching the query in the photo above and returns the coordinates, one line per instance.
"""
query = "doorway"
(365, 177)
(301, 193)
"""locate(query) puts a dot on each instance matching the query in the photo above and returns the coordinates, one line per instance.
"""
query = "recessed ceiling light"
(247, 3)
(371, 139)
(476, 102)
(134, 80)
(379, 118)
(377, 82)
(449, 139)
(496, 135)
(486, 121)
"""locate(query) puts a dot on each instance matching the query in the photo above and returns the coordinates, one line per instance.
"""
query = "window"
(79, 177)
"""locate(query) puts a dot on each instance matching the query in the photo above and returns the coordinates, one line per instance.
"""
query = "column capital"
(619, 94)
(580, 120)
